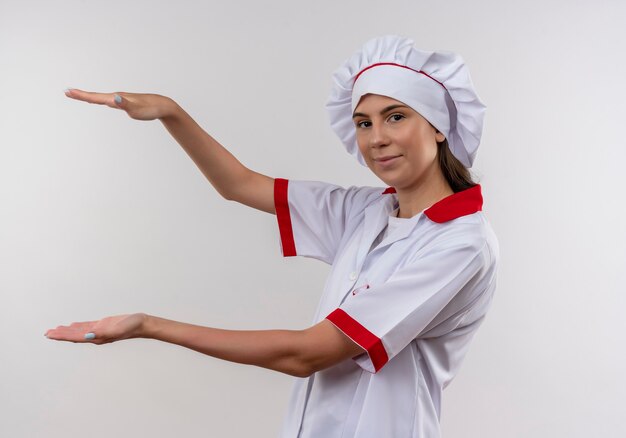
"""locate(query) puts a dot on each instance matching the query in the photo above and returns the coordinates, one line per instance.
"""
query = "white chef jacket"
(413, 303)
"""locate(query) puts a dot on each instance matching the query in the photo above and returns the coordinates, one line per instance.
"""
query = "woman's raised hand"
(104, 331)
(137, 106)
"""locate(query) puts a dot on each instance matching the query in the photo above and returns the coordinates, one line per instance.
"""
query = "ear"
(439, 137)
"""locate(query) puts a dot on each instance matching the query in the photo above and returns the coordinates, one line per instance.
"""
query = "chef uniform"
(411, 292)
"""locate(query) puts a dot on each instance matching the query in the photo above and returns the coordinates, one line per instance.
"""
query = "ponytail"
(457, 175)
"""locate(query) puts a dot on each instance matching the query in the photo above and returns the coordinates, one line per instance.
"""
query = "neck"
(430, 190)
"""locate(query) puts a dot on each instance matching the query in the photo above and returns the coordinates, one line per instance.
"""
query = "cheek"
(421, 146)
(361, 142)
(360, 139)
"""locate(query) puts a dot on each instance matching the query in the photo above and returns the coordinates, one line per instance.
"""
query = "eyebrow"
(383, 111)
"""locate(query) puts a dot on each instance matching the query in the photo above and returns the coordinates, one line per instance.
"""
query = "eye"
(363, 124)
(396, 117)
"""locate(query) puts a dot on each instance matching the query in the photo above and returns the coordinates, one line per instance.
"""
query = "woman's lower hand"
(104, 331)
(137, 106)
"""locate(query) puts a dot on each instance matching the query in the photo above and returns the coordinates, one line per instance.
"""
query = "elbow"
(300, 368)
(298, 365)
(318, 348)
(307, 366)
(225, 194)
(301, 373)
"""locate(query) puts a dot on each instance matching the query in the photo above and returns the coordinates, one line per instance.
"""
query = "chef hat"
(435, 84)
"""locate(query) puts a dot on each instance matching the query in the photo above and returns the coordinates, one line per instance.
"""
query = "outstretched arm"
(230, 178)
(295, 352)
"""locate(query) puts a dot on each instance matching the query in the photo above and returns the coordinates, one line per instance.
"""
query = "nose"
(378, 136)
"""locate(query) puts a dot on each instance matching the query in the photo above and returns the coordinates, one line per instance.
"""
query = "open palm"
(137, 106)
(106, 330)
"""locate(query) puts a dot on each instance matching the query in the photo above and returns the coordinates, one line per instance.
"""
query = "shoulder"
(470, 233)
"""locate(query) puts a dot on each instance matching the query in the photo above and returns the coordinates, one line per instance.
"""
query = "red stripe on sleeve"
(281, 204)
(362, 336)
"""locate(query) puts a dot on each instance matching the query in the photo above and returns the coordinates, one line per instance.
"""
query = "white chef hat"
(435, 84)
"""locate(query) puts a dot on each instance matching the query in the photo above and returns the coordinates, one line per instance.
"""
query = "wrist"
(171, 110)
(148, 327)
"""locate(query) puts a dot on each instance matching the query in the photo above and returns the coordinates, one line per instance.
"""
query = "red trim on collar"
(458, 204)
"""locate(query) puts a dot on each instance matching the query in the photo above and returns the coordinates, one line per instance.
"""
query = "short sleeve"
(438, 286)
(312, 216)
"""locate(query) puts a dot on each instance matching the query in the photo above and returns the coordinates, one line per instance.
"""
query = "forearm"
(217, 164)
(278, 350)
(230, 178)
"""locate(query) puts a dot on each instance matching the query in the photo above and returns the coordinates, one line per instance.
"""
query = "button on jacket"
(413, 303)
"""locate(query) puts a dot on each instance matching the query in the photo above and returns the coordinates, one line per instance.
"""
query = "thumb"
(119, 100)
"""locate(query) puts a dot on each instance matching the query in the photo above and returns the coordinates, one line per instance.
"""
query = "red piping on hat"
(397, 65)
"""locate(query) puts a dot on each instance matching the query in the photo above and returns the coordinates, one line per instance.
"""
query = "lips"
(386, 158)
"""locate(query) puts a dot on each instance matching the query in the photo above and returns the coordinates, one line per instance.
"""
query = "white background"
(101, 214)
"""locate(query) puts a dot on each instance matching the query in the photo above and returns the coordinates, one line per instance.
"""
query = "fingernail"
(118, 98)
(67, 90)
(90, 336)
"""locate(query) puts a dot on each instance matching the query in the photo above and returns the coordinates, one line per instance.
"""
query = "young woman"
(413, 265)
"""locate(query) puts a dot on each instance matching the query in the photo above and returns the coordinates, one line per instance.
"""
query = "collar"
(458, 204)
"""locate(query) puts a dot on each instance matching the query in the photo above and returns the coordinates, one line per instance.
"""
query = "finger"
(86, 96)
(74, 333)
(91, 97)
(66, 334)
